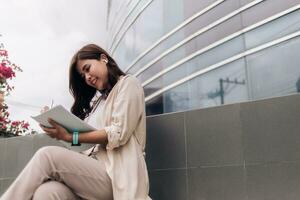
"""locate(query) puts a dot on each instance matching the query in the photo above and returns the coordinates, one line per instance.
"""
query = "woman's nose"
(88, 77)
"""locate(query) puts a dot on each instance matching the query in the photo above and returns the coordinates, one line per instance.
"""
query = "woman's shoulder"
(130, 80)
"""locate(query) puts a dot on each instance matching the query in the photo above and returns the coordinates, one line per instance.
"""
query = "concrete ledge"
(241, 151)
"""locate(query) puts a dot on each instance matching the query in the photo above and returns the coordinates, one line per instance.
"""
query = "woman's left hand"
(58, 132)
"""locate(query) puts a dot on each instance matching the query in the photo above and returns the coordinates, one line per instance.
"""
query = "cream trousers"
(58, 173)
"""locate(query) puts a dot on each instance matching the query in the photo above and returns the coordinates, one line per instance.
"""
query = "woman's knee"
(48, 151)
(48, 157)
(53, 190)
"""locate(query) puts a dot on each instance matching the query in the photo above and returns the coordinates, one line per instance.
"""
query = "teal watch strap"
(75, 137)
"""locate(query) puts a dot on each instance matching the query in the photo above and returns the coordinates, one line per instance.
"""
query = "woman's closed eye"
(85, 69)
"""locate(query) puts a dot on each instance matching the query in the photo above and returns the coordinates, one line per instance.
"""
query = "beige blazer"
(125, 123)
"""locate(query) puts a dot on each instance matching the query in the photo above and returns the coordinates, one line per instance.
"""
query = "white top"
(91, 119)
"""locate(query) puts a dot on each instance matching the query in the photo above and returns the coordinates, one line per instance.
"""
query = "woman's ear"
(103, 58)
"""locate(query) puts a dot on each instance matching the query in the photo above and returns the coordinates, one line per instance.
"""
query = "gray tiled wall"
(244, 151)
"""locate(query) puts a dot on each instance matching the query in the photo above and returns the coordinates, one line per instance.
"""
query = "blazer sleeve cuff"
(113, 136)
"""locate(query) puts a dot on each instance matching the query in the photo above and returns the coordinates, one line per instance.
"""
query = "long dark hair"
(80, 90)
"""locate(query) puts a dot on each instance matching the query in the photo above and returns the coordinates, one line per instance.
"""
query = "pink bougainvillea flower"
(6, 72)
(26, 125)
(15, 123)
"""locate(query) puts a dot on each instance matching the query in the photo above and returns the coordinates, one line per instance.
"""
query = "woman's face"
(94, 72)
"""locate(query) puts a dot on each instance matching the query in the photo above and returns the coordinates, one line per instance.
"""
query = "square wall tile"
(168, 184)
(18, 152)
(2, 154)
(271, 129)
(273, 181)
(165, 146)
(214, 136)
(216, 183)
